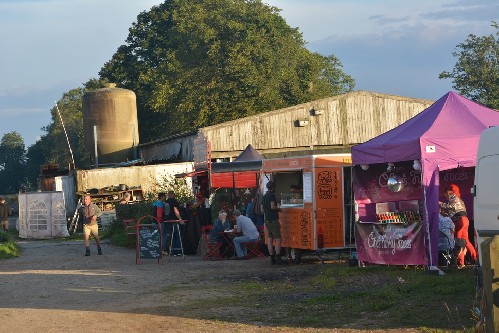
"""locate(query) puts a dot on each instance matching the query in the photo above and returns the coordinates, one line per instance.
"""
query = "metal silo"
(110, 124)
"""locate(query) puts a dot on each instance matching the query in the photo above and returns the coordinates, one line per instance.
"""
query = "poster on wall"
(391, 244)
(307, 187)
(371, 185)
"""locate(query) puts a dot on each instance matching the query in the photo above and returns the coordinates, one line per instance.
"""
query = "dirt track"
(52, 287)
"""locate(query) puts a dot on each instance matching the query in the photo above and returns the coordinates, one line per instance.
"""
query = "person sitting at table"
(221, 225)
(249, 234)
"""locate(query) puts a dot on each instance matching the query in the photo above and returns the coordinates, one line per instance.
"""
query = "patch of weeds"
(9, 249)
(324, 280)
(252, 286)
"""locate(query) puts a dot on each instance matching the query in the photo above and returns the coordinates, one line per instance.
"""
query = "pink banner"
(462, 177)
(390, 243)
(370, 186)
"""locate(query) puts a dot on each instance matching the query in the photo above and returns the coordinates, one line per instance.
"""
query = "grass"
(8, 247)
(337, 296)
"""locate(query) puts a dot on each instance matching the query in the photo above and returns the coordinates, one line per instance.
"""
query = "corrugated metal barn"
(330, 125)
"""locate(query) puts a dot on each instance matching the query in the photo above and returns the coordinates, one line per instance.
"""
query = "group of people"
(454, 224)
(247, 231)
(166, 210)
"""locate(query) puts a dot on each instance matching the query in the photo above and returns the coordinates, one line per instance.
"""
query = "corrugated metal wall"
(345, 120)
(66, 184)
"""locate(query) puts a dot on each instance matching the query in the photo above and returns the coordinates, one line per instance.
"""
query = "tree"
(53, 146)
(476, 73)
(12, 163)
(201, 62)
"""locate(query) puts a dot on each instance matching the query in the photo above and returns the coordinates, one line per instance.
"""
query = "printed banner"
(297, 226)
(390, 243)
(329, 203)
(370, 186)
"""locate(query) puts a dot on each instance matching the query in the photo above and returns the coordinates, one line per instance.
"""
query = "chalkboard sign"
(149, 244)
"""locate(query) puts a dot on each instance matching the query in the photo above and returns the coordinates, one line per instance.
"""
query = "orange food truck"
(315, 197)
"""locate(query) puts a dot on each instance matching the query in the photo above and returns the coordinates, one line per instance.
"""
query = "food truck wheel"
(295, 255)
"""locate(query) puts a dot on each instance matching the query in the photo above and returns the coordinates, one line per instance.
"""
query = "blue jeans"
(164, 234)
(240, 248)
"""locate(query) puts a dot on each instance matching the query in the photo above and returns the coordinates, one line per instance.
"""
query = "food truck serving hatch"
(310, 191)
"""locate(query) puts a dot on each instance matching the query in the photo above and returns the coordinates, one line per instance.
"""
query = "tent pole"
(427, 227)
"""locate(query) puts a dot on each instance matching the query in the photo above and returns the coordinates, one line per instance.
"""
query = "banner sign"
(390, 243)
(370, 185)
(462, 177)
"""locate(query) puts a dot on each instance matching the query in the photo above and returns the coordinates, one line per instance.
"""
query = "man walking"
(250, 234)
(89, 212)
(272, 226)
(4, 214)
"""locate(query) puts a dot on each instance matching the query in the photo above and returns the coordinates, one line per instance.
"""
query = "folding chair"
(213, 248)
(254, 247)
(446, 252)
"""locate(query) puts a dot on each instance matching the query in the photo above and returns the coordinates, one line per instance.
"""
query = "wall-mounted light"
(316, 112)
(417, 165)
(364, 166)
(301, 123)
(390, 167)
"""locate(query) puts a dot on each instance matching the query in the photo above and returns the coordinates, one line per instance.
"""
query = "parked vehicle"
(486, 187)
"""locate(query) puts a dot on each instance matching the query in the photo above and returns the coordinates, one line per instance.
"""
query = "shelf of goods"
(107, 200)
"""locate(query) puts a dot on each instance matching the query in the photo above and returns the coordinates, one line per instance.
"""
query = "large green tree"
(195, 63)
(12, 163)
(53, 146)
(476, 73)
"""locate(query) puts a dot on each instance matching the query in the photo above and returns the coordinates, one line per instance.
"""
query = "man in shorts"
(89, 212)
(272, 225)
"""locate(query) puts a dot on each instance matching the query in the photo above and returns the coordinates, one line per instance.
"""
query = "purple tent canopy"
(443, 136)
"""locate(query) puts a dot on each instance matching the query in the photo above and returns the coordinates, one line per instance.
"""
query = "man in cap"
(272, 225)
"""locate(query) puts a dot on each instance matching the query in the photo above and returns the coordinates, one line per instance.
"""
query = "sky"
(397, 47)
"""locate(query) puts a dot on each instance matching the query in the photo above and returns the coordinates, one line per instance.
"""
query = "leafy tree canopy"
(12, 162)
(201, 62)
(53, 147)
(476, 73)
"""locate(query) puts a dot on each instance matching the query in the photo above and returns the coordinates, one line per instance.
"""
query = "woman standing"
(456, 210)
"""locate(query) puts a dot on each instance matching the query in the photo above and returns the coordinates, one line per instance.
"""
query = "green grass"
(8, 247)
(337, 296)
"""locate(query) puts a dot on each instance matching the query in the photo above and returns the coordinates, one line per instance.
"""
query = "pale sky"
(397, 47)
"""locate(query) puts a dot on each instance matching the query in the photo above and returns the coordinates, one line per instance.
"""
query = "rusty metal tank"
(110, 124)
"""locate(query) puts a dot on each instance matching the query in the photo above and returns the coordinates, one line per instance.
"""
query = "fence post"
(490, 267)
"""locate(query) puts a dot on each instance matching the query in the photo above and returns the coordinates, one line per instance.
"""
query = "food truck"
(315, 197)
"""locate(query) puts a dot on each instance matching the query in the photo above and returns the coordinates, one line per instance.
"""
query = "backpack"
(166, 211)
(161, 211)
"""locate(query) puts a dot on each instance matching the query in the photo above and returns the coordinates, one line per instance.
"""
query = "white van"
(486, 188)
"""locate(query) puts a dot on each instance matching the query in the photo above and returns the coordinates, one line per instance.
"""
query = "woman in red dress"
(456, 210)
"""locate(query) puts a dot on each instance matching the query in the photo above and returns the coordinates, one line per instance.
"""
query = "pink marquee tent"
(442, 137)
